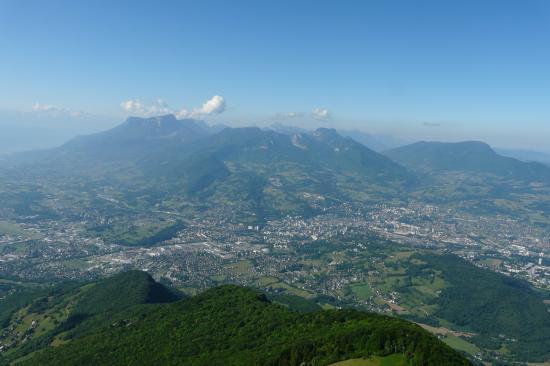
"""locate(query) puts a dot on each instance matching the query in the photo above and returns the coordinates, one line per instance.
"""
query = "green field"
(266, 280)
(292, 290)
(146, 233)
(393, 360)
(8, 228)
(241, 268)
(461, 345)
(363, 291)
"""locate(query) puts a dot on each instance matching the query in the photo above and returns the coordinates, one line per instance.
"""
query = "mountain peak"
(324, 131)
(128, 140)
(326, 134)
(159, 127)
(285, 129)
(165, 123)
(123, 290)
(167, 118)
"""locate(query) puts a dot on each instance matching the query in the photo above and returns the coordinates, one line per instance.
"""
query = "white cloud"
(44, 107)
(288, 115)
(132, 106)
(54, 110)
(320, 113)
(139, 108)
(183, 113)
(214, 105)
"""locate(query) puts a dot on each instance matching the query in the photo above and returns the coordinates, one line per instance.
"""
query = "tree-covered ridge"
(502, 310)
(35, 318)
(122, 291)
(231, 325)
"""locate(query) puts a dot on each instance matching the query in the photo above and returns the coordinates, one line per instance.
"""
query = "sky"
(433, 70)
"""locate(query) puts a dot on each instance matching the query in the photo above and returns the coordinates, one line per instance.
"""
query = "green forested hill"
(121, 291)
(231, 325)
(503, 311)
(34, 318)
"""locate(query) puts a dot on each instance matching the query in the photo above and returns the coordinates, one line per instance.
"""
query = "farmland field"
(393, 360)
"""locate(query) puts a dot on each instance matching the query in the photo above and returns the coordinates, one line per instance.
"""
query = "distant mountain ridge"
(167, 135)
(526, 155)
(268, 172)
(374, 142)
(377, 143)
(138, 134)
(467, 156)
(263, 174)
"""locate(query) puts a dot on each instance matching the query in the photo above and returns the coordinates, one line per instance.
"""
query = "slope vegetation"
(36, 318)
(230, 325)
(502, 310)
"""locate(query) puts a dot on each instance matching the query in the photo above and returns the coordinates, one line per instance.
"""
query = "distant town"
(38, 249)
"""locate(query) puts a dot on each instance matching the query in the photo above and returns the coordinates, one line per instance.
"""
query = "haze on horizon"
(423, 70)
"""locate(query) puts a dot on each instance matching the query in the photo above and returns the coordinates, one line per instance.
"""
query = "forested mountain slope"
(230, 325)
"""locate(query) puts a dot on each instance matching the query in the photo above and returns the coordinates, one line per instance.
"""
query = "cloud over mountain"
(214, 105)
(139, 108)
(320, 113)
(288, 115)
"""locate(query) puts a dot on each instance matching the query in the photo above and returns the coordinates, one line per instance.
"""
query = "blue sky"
(446, 70)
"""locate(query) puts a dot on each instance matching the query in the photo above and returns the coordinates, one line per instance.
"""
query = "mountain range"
(166, 140)
(526, 155)
(265, 173)
(374, 142)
